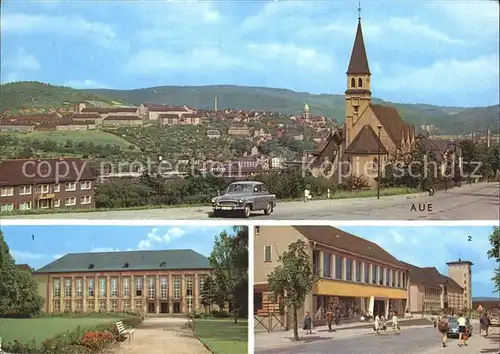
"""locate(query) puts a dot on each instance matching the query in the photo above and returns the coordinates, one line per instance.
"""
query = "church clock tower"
(358, 95)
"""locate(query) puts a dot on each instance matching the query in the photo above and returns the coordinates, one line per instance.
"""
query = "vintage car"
(244, 197)
(453, 327)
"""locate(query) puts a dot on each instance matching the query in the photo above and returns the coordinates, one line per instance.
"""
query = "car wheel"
(247, 211)
(217, 213)
(269, 209)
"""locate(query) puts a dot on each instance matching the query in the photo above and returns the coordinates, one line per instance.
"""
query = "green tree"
(8, 283)
(293, 279)
(494, 253)
(28, 300)
(208, 293)
(229, 269)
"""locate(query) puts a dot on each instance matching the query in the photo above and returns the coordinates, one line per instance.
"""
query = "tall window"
(348, 269)
(267, 254)
(138, 286)
(114, 286)
(393, 278)
(316, 262)
(164, 287)
(126, 286)
(327, 263)
(91, 287)
(67, 287)
(338, 267)
(56, 288)
(102, 287)
(403, 281)
(79, 287)
(177, 287)
(366, 268)
(374, 274)
(398, 279)
(358, 271)
(151, 287)
(202, 279)
(360, 82)
(353, 82)
(381, 278)
(189, 293)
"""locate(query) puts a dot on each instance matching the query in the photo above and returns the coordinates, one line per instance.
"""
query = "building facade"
(431, 292)
(356, 274)
(461, 272)
(46, 184)
(156, 282)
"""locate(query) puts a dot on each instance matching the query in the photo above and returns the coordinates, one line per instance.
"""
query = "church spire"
(359, 62)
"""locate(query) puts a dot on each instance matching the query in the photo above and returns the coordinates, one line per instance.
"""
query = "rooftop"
(127, 261)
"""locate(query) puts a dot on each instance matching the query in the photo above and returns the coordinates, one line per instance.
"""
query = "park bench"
(122, 331)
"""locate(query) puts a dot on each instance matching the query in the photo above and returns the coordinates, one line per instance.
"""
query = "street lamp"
(379, 128)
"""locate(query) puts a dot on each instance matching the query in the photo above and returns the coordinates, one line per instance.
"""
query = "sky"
(52, 242)
(434, 246)
(444, 53)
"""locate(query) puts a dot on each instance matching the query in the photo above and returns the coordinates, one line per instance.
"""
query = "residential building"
(166, 281)
(461, 272)
(355, 274)
(46, 184)
(179, 119)
(153, 111)
(213, 134)
(25, 127)
(431, 292)
(113, 121)
(110, 111)
(239, 130)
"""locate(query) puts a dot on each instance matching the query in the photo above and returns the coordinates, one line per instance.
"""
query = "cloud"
(18, 23)
(18, 66)
(444, 76)
(21, 256)
(153, 238)
(85, 84)
(155, 61)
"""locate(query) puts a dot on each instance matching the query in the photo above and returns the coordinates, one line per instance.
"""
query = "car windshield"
(453, 321)
(239, 188)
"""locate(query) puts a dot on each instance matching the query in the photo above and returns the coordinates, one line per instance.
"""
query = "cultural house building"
(157, 282)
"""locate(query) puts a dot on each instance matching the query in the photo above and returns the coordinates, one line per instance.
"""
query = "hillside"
(31, 94)
(450, 120)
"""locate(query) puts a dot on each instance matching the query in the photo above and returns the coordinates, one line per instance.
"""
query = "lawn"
(222, 336)
(95, 136)
(39, 329)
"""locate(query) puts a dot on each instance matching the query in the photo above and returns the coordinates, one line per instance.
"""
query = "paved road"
(476, 202)
(410, 341)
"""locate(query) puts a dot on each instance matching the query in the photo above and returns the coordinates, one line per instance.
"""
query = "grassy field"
(39, 329)
(97, 137)
(223, 336)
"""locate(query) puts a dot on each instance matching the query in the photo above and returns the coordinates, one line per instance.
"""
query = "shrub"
(97, 341)
(220, 314)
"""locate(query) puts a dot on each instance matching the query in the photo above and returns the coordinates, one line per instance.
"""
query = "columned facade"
(156, 292)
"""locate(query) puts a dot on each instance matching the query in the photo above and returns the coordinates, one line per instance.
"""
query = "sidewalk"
(278, 339)
(477, 345)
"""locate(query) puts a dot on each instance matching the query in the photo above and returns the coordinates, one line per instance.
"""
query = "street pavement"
(413, 340)
(469, 202)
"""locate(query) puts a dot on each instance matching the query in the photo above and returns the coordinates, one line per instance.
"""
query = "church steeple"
(358, 65)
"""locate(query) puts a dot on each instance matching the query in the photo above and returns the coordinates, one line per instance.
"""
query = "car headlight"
(213, 200)
(241, 201)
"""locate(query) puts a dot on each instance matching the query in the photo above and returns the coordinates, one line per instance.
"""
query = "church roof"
(359, 62)
(366, 142)
(391, 121)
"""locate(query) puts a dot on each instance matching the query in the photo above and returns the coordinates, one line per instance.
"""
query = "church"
(370, 130)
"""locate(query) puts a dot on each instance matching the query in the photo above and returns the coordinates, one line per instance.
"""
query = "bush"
(220, 314)
(78, 341)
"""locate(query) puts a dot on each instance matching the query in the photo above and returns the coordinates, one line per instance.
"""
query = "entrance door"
(378, 308)
(151, 307)
(177, 307)
(164, 307)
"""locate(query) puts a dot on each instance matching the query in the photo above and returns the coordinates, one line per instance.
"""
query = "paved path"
(411, 341)
(159, 336)
(476, 202)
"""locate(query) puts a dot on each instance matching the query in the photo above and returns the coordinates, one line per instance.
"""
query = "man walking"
(443, 329)
(329, 319)
(484, 324)
(462, 335)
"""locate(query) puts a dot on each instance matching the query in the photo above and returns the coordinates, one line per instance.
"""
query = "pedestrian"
(443, 329)
(308, 323)
(462, 335)
(337, 316)
(395, 324)
(484, 324)
(376, 324)
(329, 319)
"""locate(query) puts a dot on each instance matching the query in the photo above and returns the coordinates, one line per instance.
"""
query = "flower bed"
(81, 340)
